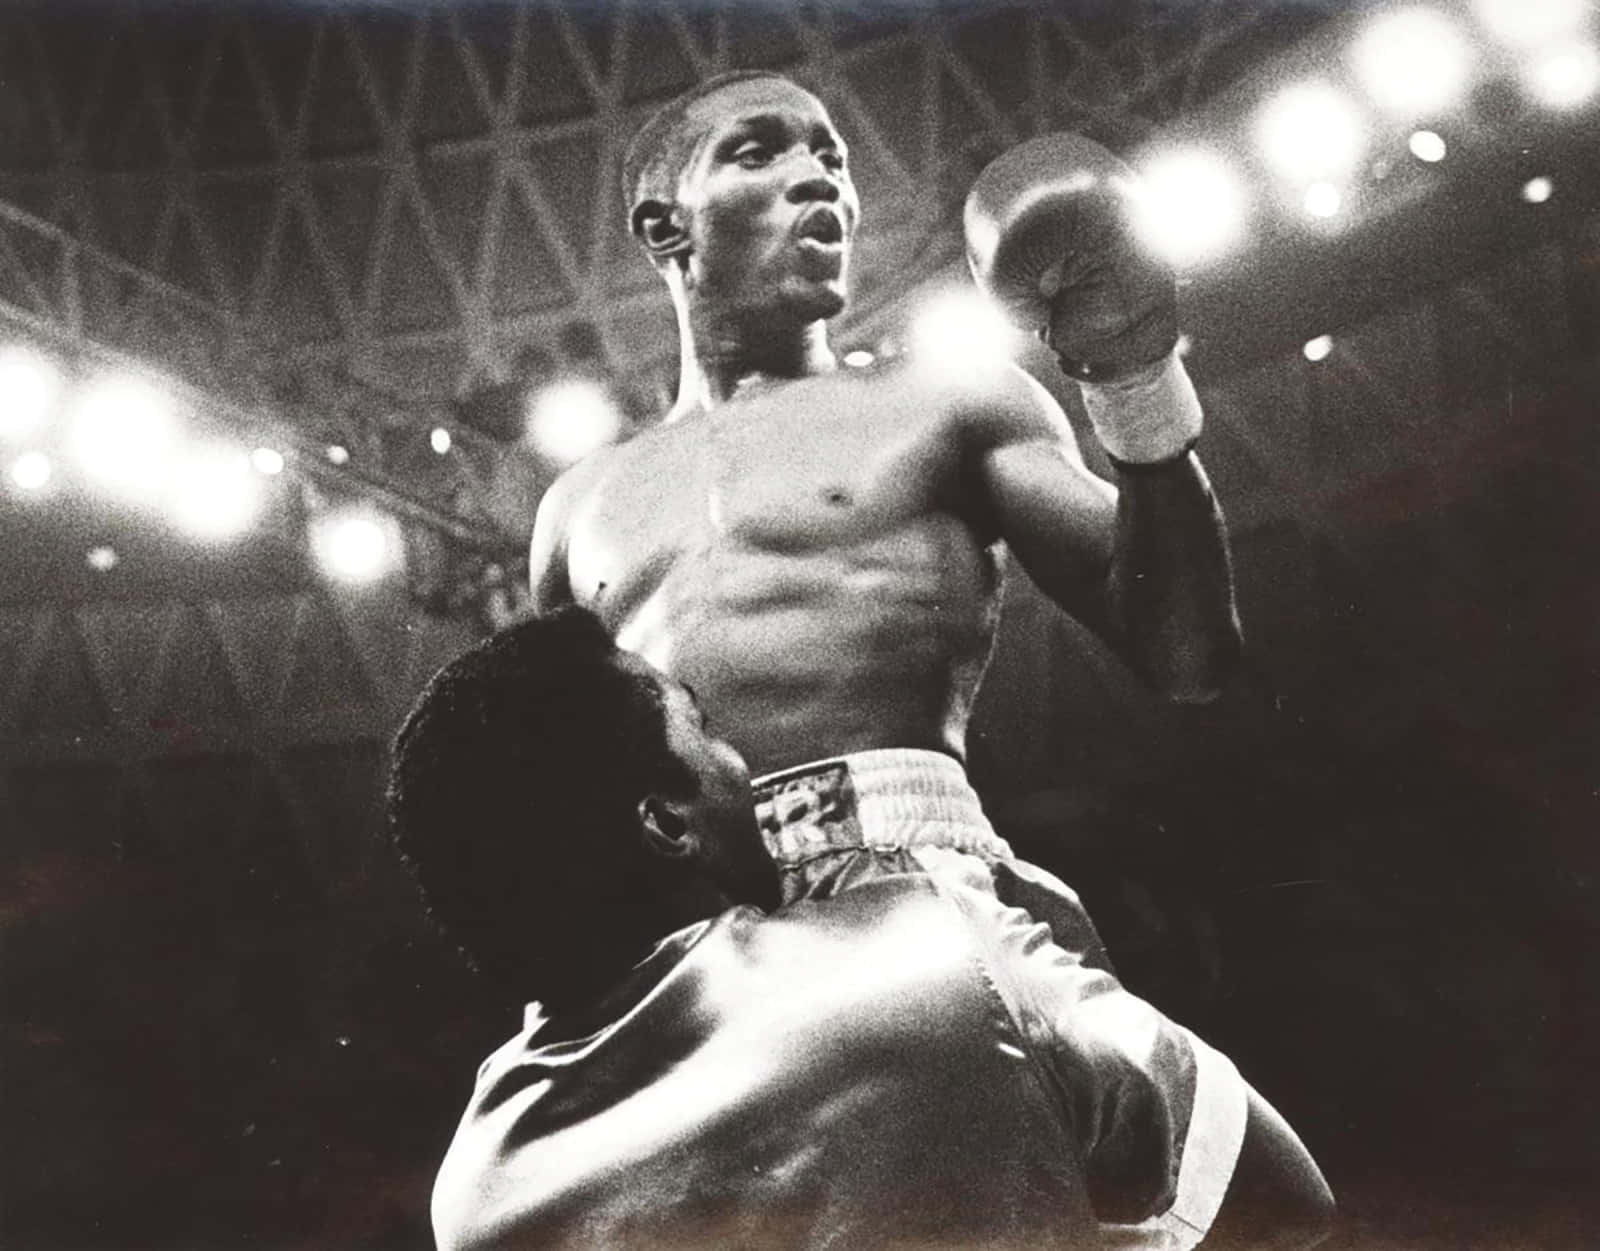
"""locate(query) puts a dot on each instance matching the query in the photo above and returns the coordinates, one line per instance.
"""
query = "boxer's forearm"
(1170, 601)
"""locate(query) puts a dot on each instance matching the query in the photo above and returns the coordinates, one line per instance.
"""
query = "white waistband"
(884, 800)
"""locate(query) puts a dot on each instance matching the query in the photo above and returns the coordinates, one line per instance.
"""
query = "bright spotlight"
(859, 359)
(1527, 22)
(1311, 130)
(1427, 145)
(1413, 61)
(1538, 190)
(29, 384)
(1194, 206)
(1563, 77)
(101, 559)
(354, 545)
(1323, 199)
(958, 324)
(337, 454)
(1317, 349)
(31, 471)
(571, 418)
(123, 433)
(439, 440)
(267, 460)
(214, 494)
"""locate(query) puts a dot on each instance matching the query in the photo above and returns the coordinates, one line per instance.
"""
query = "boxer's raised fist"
(1052, 234)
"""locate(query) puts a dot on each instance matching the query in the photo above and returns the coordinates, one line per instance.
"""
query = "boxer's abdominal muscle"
(798, 656)
(803, 573)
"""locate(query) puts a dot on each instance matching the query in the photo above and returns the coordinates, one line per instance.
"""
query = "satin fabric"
(910, 1064)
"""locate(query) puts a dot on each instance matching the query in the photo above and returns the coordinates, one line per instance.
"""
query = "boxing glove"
(1052, 231)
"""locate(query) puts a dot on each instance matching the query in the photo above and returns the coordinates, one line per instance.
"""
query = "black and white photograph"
(851, 625)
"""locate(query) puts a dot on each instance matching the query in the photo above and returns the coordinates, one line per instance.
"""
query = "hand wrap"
(1148, 416)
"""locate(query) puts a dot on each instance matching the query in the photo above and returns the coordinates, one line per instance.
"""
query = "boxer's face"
(768, 201)
(721, 815)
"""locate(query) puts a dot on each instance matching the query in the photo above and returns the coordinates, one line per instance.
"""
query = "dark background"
(1367, 872)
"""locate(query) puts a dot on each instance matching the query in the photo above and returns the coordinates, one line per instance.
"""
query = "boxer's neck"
(721, 358)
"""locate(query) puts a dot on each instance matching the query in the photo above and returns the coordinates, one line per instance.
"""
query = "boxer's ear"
(661, 228)
(664, 826)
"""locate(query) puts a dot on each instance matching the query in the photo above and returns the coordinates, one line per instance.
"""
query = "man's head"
(740, 189)
(556, 800)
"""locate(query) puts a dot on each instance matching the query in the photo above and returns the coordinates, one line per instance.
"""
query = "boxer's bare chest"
(823, 464)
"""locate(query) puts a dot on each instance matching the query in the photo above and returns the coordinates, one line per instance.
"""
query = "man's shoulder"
(983, 396)
(547, 1033)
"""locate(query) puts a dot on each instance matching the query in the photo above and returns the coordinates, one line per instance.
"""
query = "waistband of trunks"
(884, 800)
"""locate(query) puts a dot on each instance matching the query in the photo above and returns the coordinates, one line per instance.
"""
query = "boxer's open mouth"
(821, 225)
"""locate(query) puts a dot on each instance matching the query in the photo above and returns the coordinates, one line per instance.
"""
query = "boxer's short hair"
(512, 800)
(657, 153)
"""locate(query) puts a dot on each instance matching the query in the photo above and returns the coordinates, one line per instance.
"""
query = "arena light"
(439, 440)
(571, 418)
(959, 324)
(860, 358)
(102, 559)
(1323, 200)
(337, 454)
(1525, 23)
(1318, 349)
(267, 460)
(1311, 130)
(1538, 190)
(123, 432)
(356, 545)
(29, 385)
(1194, 207)
(214, 494)
(1413, 61)
(1427, 145)
(31, 471)
(1563, 77)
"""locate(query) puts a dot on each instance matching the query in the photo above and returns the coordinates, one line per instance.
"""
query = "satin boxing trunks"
(832, 824)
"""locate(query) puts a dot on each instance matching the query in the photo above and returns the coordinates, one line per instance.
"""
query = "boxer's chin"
(817, 300)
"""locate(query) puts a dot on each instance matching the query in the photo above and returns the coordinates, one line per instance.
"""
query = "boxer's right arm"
(1053, 235)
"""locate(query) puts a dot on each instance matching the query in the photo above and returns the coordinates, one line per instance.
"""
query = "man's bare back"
(818, 559)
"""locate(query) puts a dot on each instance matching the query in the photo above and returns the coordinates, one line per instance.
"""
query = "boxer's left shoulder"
(994, 400)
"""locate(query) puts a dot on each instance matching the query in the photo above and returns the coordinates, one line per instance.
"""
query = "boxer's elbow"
(1189, 667)
(1177, 630)
(1204, 681)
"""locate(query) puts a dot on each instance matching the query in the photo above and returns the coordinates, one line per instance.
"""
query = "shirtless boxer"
(817, 552)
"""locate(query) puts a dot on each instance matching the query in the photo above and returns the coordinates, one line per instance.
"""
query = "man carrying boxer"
(816, 551)
(908, 1064)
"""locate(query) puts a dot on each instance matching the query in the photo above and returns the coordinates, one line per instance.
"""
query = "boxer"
(818, 551)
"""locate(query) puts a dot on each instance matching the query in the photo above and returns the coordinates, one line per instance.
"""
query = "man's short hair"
(656, 155)
(512, 799)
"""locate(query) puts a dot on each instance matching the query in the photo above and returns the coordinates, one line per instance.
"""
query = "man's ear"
(665, 828)
(660, 227)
